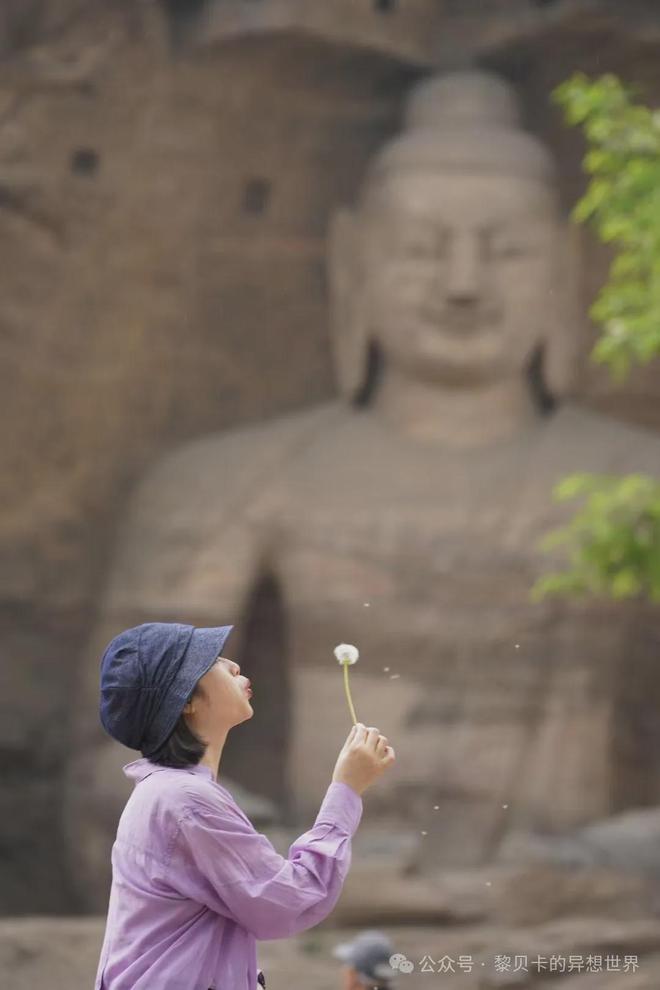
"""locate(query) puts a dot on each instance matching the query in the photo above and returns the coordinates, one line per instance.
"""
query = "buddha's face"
(459, 269)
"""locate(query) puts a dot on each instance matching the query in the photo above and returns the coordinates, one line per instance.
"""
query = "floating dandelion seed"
(425, 833)
(346, 655)
(436, 807)
(505, 805)
(386, 669)
(393, 677)
(517, 646)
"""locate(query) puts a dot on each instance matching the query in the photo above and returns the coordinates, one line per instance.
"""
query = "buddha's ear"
(562, 338)
(348, 323)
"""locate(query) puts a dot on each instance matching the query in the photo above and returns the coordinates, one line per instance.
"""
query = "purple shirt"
(194, 885)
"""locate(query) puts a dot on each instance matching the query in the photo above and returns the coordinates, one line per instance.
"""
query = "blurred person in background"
(366, 962)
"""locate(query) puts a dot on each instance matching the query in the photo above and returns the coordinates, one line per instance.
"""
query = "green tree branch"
(613, 542)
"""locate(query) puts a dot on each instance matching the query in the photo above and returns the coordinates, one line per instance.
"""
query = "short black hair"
(182, 748)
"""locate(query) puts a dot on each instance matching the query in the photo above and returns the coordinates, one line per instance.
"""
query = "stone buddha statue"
(405, 517)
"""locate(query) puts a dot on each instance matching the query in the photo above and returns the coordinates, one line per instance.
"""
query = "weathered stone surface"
(162, 260)
(597, 37)
(412, 524)
(521, 893)
(449, 34)
(629, 841)
(162, 218)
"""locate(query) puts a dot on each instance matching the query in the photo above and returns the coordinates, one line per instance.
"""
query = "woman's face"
(224, 699)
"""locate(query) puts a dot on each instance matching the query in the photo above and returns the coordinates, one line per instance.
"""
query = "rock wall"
(165, 184)
(597, 41)
(162, 221)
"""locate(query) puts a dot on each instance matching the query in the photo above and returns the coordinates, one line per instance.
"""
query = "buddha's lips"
(467, 329)
(457, 330)
(475, 313)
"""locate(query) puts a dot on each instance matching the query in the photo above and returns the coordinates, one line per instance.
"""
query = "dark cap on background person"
(368, 954)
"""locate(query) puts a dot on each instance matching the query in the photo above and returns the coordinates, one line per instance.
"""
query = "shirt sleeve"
(220, 860)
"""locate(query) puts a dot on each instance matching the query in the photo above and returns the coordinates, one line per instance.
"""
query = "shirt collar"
(139, 769)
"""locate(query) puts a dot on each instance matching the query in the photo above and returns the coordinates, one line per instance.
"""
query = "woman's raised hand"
(365, 755)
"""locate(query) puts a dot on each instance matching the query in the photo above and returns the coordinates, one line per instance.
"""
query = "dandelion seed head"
(345, 653)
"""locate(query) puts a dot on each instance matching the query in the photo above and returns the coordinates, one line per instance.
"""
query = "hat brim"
(204, 648)
(343, 952)
(381, 971)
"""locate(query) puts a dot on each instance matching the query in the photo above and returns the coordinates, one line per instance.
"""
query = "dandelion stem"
(348, 692)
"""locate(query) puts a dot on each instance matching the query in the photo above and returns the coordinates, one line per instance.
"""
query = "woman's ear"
(348, 324)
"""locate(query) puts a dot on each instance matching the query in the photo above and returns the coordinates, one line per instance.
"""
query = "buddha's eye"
(508, 244)
(418, 243)
(417, 248)
(509, 249)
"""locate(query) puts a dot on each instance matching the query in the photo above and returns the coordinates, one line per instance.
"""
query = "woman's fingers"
(372, 736)
(390, 756)
(357, 733)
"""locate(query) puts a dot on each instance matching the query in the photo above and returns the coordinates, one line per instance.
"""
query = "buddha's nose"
(463, 274)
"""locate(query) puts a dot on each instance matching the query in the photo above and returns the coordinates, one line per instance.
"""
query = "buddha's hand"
(363, 758)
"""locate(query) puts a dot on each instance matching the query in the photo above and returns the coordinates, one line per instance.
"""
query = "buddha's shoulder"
(583, 439)
(243, 451)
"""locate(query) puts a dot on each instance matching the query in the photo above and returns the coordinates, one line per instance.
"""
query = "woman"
(193, 884)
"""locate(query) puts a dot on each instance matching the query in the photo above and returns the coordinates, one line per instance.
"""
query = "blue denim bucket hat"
(147, 675)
